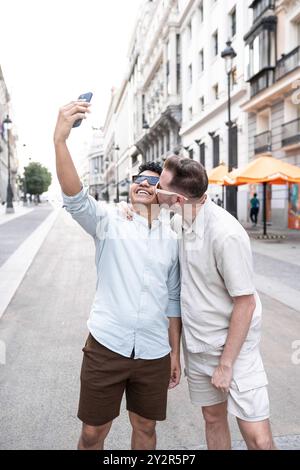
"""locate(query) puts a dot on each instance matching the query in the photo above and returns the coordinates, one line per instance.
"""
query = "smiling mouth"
(143, 192)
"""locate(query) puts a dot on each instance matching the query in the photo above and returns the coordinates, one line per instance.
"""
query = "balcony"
(291, 133)
(288, 63)
(261, 81)
(260, 7)
(263, 142)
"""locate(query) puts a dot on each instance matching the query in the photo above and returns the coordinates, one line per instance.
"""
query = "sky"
(51, 51)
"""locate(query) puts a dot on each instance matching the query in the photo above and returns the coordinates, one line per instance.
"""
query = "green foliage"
(37, 178)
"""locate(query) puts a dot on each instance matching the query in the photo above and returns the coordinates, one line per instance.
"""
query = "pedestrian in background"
(254, 209)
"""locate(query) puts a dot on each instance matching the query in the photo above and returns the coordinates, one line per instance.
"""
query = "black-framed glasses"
(152, 180)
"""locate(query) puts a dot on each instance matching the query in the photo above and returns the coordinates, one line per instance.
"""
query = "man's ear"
(180, 200)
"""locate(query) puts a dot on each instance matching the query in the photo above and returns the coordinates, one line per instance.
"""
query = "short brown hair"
(189, 176)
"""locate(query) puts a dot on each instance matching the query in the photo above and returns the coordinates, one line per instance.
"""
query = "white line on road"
(278, 291)
(4, 218)
(13, 271)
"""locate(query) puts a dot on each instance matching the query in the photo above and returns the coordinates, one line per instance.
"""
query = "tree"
(37, 179)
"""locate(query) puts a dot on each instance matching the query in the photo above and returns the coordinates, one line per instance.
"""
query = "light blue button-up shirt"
(138, 278)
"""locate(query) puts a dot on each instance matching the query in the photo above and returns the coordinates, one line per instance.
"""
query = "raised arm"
(65, 168)
(77, 201)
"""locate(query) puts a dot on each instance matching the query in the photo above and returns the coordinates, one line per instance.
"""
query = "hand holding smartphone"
(84, 97)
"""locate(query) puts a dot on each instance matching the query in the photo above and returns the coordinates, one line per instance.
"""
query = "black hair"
(151, 166)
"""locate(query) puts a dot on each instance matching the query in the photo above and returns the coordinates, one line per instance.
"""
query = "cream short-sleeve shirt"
(216, 265)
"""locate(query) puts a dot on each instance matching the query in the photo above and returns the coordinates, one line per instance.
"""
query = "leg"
(251, 216)
(143, 432)
(216, 427)
(257, 435)
(93, 437)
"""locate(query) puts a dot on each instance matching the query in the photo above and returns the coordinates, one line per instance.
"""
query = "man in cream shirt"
(221, 310)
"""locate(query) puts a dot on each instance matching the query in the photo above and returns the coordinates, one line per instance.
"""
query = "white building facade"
(205, 27)
(273, 51)
(174, 98)
(5, 109)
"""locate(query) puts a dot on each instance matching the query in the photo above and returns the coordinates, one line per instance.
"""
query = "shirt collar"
(198, 225)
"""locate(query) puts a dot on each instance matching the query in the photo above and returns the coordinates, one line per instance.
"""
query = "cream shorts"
(248, 394)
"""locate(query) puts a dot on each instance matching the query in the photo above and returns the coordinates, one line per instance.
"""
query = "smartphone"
(86, 97)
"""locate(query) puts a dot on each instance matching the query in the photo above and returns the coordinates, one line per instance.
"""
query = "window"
(190, 113)
(190, 32)
(234, 146)
(216, 151)
(190, 75)
(201, 104)
(202, 154)
(216, 91)
(233, 22)
(201, 11)
(191, 154)
(201, 60)
(178, 63)
(143, 109)
(215, 43)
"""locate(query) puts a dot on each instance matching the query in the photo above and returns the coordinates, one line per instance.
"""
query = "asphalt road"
(44, 329)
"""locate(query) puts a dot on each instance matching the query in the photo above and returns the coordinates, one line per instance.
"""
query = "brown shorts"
(105, 375)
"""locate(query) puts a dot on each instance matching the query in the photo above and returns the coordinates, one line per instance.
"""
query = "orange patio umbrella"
(217, 175)
(265, 170)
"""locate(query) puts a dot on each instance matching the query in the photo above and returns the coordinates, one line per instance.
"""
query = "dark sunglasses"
(152, 180)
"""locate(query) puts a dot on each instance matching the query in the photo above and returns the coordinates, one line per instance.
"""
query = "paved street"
(14, 232)
(44, 328)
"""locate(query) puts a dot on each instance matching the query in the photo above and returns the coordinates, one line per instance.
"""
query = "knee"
(214, 414)
(261, 442)
(143, 426)
(92, 436)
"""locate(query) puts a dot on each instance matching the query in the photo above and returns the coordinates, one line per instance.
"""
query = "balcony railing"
(288, 63)
(291, 133)
(263, 142)
(260, 7)
(261, 81)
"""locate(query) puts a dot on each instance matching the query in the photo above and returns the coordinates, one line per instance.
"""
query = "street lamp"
(231, 192)
(117, 148)
(7, 124)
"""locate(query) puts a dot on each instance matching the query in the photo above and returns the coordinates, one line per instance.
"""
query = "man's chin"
(146, 201)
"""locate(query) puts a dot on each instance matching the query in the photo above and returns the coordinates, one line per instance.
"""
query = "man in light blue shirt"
(134, 323)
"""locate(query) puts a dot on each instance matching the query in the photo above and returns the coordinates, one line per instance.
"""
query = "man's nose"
(145, 183)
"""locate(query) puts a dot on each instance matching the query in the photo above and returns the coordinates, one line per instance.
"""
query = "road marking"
(278, 291)
(14, 269)
(4, 218)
